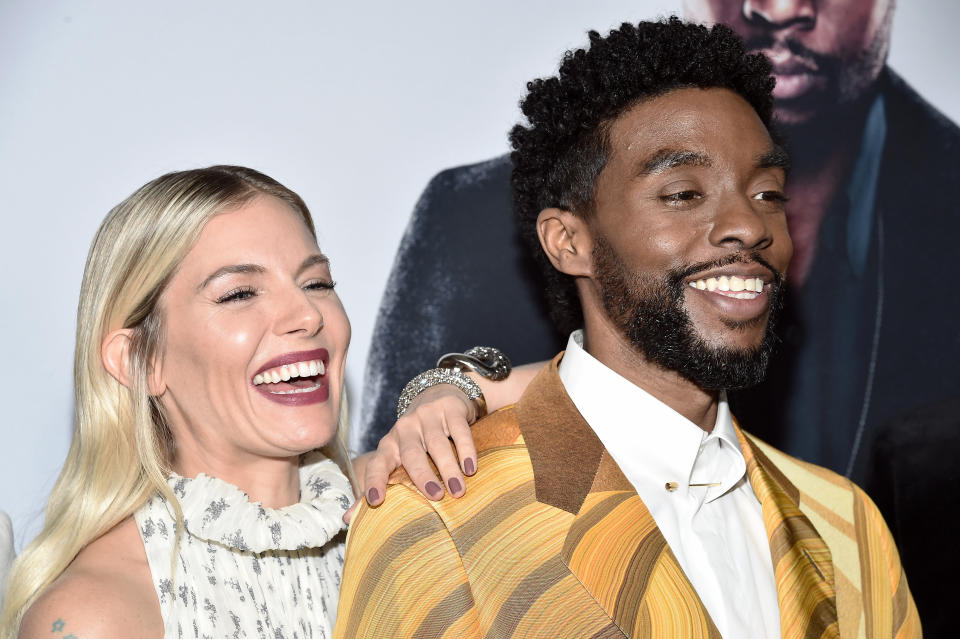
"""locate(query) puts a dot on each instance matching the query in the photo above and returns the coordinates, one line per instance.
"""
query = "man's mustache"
(678, 277)
(818, 61)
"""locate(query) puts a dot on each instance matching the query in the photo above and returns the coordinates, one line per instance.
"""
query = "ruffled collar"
(216, 511)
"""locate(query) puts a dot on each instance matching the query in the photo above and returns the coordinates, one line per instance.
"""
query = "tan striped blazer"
(551, 540)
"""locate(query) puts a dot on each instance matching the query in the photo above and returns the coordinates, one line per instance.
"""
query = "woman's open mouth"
(295, 378)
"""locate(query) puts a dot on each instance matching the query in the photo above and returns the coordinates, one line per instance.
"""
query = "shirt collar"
(647, 438)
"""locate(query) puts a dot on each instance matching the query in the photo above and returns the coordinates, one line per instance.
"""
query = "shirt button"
(671, 486)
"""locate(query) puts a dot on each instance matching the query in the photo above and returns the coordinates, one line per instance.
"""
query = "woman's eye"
(319, 285)
(236, 295)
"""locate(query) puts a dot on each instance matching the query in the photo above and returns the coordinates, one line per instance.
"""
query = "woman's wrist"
(457, 369)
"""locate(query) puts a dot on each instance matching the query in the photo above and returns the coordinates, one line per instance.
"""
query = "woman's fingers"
(420, 434)
(436, 441)
(379, 466)
(423, 435)
(459, 430)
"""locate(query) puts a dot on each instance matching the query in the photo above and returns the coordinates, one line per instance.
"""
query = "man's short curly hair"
(564, 145)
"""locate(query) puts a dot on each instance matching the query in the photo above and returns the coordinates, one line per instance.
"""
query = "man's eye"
(771, 196)
(681, 196)
(236, 295)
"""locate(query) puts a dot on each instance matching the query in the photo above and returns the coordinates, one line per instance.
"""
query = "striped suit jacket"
(551, 540)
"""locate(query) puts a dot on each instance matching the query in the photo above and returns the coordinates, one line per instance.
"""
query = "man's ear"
(565, 238)
(114, 353)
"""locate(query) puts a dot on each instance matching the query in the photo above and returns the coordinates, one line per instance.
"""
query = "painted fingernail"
(469, 467)
(373, 495)
(434, 489)
(454, 485)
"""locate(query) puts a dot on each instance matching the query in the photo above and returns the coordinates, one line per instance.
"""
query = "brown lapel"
(613, 546)
(801, 560)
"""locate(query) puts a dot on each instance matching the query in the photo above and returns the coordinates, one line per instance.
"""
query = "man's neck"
(822, 153)
(609, 347)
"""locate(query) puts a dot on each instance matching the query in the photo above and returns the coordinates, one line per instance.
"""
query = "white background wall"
(355, 106)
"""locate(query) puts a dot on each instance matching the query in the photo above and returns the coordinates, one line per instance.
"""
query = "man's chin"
(797, 112)
(728, 369)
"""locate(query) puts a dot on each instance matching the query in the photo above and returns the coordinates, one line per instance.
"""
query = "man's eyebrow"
(313, 260)
(229, 270)
(669, 158)
(775, 158)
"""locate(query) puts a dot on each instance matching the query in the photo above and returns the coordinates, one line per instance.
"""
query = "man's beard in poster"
(650, 313)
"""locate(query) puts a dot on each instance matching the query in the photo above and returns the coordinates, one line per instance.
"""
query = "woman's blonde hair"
(122, 450)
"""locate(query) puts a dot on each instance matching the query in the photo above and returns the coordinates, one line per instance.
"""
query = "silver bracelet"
(485, 361)
(435, 376)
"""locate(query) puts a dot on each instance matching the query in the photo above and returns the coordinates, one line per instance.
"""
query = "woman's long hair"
(122, 450)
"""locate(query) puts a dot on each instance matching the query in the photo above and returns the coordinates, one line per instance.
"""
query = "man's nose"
(780, 14)
(738, 225)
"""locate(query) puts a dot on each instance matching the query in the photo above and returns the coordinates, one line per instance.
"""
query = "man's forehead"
(690, 127)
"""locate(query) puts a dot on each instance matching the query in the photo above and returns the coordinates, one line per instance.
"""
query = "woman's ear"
(565, 238)
(114, 353)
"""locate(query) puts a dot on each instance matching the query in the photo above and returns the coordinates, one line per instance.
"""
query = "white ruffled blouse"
(243, 570)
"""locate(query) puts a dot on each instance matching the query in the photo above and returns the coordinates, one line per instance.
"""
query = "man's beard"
(649, 312)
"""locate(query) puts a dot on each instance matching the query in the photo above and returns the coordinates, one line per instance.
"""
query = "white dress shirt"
(716, 532)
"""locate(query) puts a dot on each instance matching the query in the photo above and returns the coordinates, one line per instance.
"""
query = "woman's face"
(256, 339)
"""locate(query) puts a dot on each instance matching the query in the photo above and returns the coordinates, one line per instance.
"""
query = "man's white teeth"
(732, 284)
(289, 371)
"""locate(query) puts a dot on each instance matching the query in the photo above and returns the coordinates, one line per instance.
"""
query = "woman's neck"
(273, 482)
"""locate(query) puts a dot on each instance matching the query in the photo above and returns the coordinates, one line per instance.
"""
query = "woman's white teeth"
(289, 371)
(732, 284)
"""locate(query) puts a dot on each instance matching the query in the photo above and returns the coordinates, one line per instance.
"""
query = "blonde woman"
(209, 371)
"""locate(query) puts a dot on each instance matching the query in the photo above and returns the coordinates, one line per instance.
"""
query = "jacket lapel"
(802, 563)
(613, 546)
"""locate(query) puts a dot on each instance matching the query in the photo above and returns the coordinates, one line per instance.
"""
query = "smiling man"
(619, 497)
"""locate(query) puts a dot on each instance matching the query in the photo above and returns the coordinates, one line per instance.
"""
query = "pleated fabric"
(242, 570)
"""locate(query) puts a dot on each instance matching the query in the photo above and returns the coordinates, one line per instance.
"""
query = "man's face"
(690, 235)
(824, 52)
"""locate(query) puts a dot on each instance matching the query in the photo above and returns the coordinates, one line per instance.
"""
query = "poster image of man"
(868, 342)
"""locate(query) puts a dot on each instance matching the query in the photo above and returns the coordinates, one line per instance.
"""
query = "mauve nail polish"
(434, 489)
(454, 485)
(373, 495)
(468, 466)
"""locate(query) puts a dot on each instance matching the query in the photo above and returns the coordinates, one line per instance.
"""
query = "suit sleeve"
(889, 594)
(403, 576)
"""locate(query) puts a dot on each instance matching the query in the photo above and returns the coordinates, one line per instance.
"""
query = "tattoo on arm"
(58, 626)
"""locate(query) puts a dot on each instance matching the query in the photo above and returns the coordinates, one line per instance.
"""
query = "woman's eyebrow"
(229, 270)
(313, 260)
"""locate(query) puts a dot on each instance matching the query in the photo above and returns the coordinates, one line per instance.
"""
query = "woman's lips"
(314, 394)
(294, 379)
(294, 357)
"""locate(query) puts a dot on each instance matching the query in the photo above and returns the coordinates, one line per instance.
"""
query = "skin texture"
(824, 52)
(105, 593)
(220, 335)
(724, 204)
(217, 337)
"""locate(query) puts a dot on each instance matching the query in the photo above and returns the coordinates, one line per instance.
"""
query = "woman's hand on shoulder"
(437, 415)
(434, 417)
